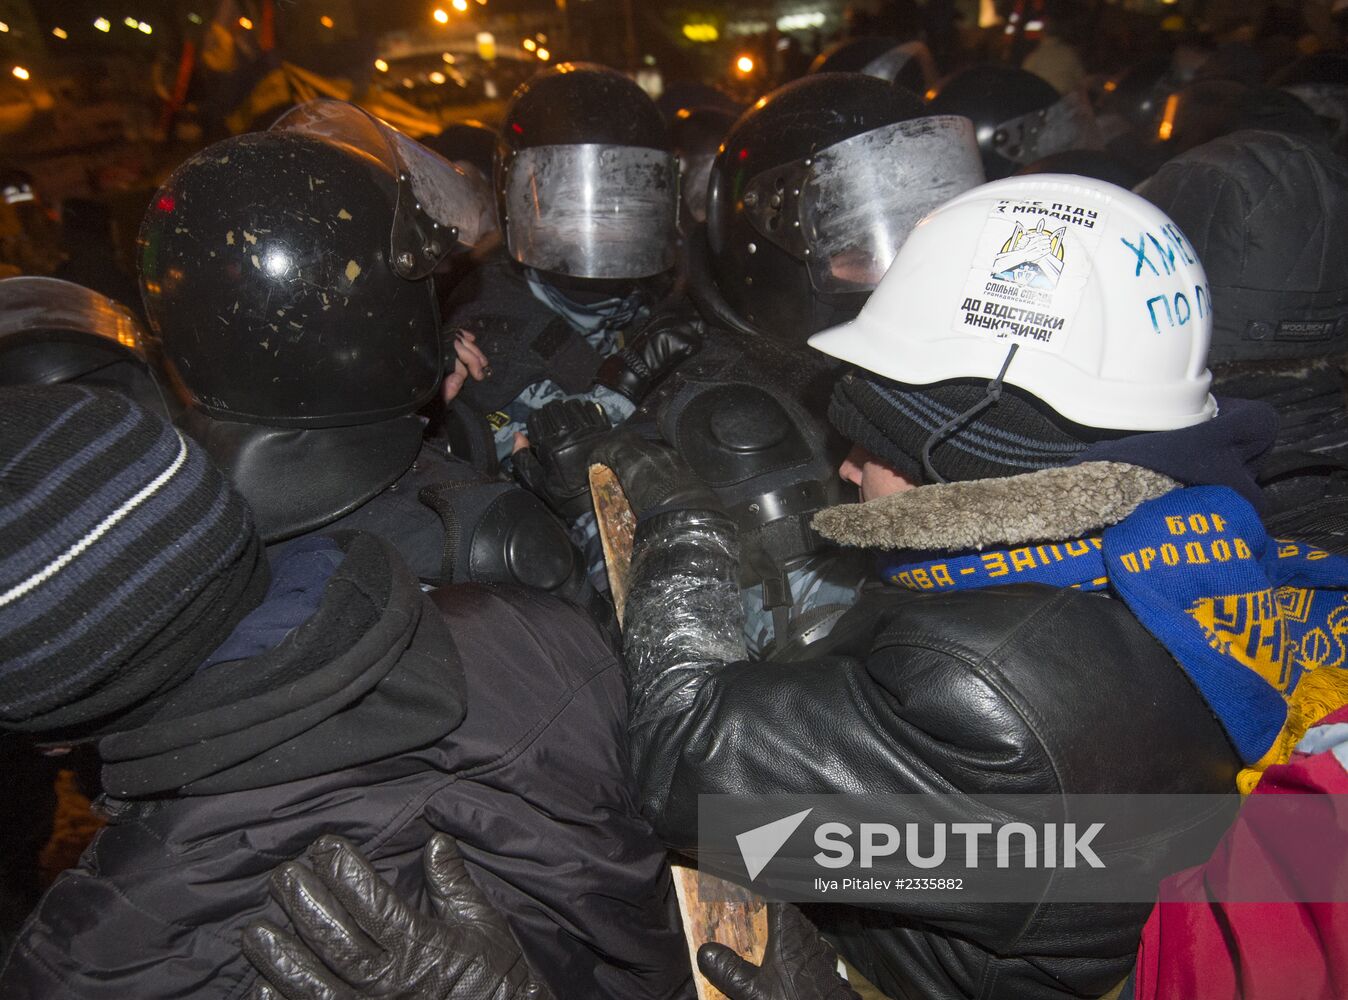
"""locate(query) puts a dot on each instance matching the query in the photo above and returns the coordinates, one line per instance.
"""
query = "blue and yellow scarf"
(1259, 624)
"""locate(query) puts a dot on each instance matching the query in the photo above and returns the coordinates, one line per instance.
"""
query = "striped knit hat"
(125, 558)
(1012, 436)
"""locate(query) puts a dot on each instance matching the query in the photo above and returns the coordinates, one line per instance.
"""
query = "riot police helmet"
(466, 144)
(696, 133)
(54, 331)
(586, 182)
(287, 273)
(1018, 117)
(1320, 81)
(905, 63)
(815, 189)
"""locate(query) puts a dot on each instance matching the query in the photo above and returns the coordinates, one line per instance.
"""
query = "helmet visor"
(52, 312)
(693, 184)
(1066, 124)
(438, 206)
(861, 198)
(592, 211)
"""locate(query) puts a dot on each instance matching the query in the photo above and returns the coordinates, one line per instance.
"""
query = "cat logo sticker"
(1029, 272)
(1033, 258)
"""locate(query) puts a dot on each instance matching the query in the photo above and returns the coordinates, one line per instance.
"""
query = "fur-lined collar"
(1045, 506)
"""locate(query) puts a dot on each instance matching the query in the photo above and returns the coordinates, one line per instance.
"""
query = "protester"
(239, 712)
(1005, 454)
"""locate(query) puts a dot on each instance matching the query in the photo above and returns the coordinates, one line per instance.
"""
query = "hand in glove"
(654, 476)
(555, 464)
(798, 964)
(359, 939)
(653, 353)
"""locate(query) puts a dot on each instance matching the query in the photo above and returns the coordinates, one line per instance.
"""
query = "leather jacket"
(1018, 689)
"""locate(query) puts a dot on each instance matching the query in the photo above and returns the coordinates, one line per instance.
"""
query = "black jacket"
(217, 788)
(1020, 689)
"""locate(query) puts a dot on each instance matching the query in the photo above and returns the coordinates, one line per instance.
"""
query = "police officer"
(288, 276)
(586, 189)
(587, 194)
(810, 196)
(813, 192)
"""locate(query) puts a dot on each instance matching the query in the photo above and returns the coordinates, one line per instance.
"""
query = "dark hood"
(1223, 451)
(372, 673)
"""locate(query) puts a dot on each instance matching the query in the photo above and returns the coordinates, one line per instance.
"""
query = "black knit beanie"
(894, 422)
(125, 558)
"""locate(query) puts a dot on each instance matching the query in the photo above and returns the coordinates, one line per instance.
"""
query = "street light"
(3, 27)
(325, 21)
(380, 65)
(440, 16)
(529, 45)
(131, 22)
(103, 24)
(60, 33)
(145, 29)
(460, 5)
(20, 72)
(544, 54)
(246, 23)
(436, 77)
(745, 65)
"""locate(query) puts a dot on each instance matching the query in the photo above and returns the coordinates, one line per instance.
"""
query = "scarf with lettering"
(1260, 625)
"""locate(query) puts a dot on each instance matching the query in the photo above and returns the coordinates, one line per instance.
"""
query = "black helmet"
(52, 331)
(287, 275)
(1134, 99)
(1321, 83)
(1018, 117)
(1088, 163)
(852, 54)
(815, 189)
(694, 94)
(286, 272)
(906, 63)
(586, 184)
(466, 143)
(697, 134)
(1208, 109)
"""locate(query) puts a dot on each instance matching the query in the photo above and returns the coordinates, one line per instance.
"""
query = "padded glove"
(655, 478)
(654, 352)
(357, 938)
(556, 465)
(798, 964)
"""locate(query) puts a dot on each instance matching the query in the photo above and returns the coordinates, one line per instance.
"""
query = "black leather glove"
(359, 939)
(556, 465)
(653, 353)
(798, 964)
(655, 478)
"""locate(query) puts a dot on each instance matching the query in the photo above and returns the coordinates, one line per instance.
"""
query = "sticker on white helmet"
(1029, 273)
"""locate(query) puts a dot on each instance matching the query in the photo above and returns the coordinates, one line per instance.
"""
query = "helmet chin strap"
(994, 393)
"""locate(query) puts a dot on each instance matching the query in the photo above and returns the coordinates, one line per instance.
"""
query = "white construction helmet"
(1079, 292)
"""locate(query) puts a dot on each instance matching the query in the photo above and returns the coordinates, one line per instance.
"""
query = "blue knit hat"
(125, 558)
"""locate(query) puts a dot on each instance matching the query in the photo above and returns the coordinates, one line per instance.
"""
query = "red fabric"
(1196, 948)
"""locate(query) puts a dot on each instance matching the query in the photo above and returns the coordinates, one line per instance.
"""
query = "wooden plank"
(733, 916)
